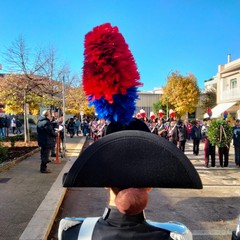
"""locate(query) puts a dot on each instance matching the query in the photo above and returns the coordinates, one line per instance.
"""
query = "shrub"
(13, 140)
(3, 153)
(16, 138)
(30, 120)
(34, 136)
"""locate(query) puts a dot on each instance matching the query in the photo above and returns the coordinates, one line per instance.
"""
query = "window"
(233, 83)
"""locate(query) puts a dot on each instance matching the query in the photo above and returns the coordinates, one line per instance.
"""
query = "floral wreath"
(219, 133)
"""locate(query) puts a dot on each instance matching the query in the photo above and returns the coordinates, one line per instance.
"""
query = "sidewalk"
(30, 200)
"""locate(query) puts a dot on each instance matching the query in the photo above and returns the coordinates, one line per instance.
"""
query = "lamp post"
(64, 116)
(167, 106)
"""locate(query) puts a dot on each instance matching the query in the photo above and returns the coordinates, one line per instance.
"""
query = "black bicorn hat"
(134, 124)
(132, 158)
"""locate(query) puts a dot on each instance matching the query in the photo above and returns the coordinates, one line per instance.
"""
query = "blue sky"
(163, 35)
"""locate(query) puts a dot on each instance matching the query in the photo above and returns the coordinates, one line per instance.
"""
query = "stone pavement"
(210, 213)
(29, 200)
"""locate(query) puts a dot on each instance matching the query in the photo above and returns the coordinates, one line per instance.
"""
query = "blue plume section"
(121, 110)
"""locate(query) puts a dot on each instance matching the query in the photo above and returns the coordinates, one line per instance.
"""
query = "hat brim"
(132, 158)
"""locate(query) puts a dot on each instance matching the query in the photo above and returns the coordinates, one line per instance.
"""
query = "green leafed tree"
(159, 105)
(209, 99)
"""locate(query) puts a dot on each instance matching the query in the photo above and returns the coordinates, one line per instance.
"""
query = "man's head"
(209, 121)
(46, 114)
(160, 121)
(129, 201)
(172, 123)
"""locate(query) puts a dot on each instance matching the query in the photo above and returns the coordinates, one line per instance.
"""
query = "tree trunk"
(26, 128)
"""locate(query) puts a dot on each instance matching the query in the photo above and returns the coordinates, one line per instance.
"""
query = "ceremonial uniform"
(115, 225)
(236, 142)
(209, 150)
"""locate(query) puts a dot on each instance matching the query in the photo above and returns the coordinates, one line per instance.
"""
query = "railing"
(231, 94)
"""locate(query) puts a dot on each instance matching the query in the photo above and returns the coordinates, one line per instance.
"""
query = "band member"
(173, 132)
(162, 128)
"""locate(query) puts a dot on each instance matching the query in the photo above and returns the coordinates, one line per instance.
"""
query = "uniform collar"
(114, 217)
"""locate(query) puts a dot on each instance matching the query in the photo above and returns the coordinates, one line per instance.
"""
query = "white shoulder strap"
(87, 227)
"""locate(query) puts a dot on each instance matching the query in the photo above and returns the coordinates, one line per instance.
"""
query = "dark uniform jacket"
(196, 133)
(118, 226)
(182, 133)
(236, 136)
(46, 134)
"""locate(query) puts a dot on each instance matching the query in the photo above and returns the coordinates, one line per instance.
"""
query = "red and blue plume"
(110, 75)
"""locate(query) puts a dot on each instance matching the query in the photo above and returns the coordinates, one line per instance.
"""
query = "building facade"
(227, 83)
(147, 99)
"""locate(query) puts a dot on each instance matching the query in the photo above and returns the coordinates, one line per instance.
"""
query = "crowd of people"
(175, 131)
(9, 124)
(179, 132)
(50, 124)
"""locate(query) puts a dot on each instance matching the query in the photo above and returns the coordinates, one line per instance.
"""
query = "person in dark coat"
(8, 124)
(71, 127)
(18, 126)
(46, 139)
(182, 135)
(236, 142)
(2, 126)
(162, 128)
(153, 127)
(173, 132)
(54, 122)
(196, 137)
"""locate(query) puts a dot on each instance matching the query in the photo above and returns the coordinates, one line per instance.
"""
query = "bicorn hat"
(132, 158)
(135, 124)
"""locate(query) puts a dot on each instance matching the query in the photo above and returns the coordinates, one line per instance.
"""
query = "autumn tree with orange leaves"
(182, 93)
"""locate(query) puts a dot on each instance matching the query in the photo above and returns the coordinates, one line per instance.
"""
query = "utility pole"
(64, 116)
(167, 106)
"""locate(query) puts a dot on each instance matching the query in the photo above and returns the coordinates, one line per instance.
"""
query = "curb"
(7, 165)
(42, 221)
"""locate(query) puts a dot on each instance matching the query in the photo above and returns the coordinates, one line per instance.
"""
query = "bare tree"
(33, 76)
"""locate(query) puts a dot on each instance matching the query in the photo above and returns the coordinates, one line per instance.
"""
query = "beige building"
(227, 82)
(147, 99)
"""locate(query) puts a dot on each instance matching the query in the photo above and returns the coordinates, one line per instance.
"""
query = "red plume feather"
(109, 67)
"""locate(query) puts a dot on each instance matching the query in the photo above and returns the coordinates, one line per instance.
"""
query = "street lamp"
(63, 110)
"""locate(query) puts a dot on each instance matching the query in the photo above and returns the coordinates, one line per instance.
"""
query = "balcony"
(230, 95)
